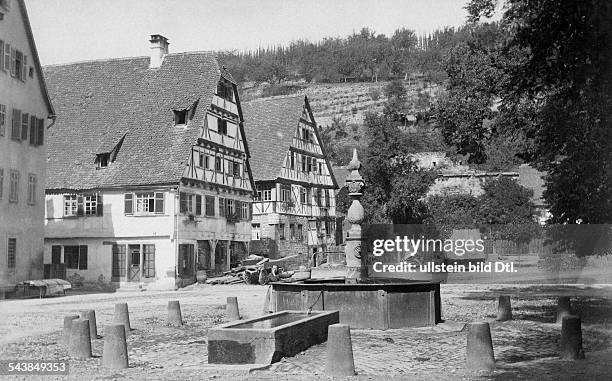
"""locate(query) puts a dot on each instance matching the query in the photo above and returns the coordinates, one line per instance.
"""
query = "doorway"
(134, 263)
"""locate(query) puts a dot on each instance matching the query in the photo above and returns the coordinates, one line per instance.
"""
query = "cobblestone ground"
(525, 347)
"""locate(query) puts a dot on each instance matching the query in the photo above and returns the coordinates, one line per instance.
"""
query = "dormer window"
(180, 117)
(102, 159)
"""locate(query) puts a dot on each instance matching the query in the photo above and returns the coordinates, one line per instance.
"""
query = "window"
(304, 165)
(305, 134)
(204, 161)
(82, 205)
(2, 118)
(102, 159)
(12, 252)
(70, 205)
(25, 126)
(210, 206)
(285, 193)
(146, 203)
(75, 257)
(318, 196)
(218, 164)
(255, 232)
(14, 186)
(16, 125)
(188, 203)
(303, 195)
(148, 266)
(31, 189)
(328, 228)
(225, 90)
(222, 126)
(1, 182)
(244, 211)
(300, 234)
(231, 207)
(281, 231)
(236, 169)
(292, 231)
(327, 199)
(221, 207)
(292, 159)
(2, 46)
(180, 117)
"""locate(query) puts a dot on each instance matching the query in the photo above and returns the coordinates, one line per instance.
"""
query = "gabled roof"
(39, 72)
(270, 125)
(99, 103)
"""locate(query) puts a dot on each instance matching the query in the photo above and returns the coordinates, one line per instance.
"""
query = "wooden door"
(134, 263)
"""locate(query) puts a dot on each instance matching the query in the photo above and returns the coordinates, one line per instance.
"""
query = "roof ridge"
(115, 59)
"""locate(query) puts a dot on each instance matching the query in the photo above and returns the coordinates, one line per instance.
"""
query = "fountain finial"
(354, 164)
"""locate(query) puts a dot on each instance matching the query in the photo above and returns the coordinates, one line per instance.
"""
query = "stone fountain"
(363, 301)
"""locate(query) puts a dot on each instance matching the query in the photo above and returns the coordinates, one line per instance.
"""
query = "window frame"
(31, 189)
(11, 253)
(14, 178)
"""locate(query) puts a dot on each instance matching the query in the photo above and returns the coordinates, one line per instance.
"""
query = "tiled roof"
(270, 125)
(99, 102)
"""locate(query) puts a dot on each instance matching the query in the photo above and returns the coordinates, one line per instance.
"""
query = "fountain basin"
(267, 339)
(380, 303)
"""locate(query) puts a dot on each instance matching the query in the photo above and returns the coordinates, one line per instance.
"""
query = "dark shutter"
(56, 254)
(159, 203)
(99, 205)
(80, 209)
(198, 210)
(40, 129)
(129, 203)
(33, 132)
(16, 124)
(82, 257)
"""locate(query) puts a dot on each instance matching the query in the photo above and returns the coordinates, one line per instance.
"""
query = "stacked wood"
(262, 272)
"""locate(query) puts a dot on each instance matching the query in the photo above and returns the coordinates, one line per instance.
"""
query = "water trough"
(267, 339)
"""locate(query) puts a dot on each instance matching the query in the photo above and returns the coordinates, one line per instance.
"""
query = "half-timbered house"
(294, 205)
(149, 179)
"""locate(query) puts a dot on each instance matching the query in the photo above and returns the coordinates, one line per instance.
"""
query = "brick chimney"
(159, 48)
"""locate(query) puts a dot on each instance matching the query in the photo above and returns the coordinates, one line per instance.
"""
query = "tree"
(565, 72)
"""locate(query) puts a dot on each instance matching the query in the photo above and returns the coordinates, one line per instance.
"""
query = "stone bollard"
(122, 316)
(231, 309)
(80, 341)
(174, 313)
(339, 351)
(67, 327)
(564, 308)
(479, 353)
(93, 327)
(114, 354)
(571, 338)
(504, 308)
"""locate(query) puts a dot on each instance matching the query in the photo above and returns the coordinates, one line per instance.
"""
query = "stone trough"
(267, 339)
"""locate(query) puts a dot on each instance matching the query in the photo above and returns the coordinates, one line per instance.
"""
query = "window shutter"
(16, 124)
(56, 254)
(7, 57)
(198, 210)
(221, 207)
(40, 129)
(83, 257)
(129, 203)
(25, 67)
(33, 128)
(80, 209)
(25, 119)
(99, 205)
(13, 62)
(159, 203)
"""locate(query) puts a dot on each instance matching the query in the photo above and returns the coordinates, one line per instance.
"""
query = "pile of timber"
(262, 272)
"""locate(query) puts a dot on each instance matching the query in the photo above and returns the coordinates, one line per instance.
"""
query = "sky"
(77, 30)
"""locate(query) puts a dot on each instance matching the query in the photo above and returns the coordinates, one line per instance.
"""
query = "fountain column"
(354, 251)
